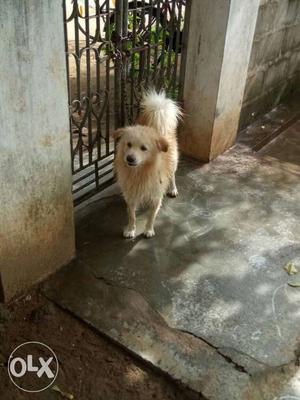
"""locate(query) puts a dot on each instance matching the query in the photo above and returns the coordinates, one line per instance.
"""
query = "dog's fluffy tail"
(159, 112)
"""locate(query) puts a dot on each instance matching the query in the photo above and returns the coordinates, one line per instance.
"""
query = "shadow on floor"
(214, 271)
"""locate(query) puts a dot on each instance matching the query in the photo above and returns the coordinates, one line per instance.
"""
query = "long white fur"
(146, 184)
(159, 112)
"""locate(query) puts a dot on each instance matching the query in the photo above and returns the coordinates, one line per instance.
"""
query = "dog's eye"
(143, 148)
(129, 144)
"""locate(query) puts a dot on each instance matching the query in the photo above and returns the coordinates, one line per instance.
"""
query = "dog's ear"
(162, 144)
(118, 133)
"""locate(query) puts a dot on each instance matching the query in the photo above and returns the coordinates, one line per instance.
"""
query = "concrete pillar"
(219, 42)
(36, 213)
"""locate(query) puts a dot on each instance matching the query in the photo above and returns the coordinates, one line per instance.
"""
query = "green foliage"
(162, 59)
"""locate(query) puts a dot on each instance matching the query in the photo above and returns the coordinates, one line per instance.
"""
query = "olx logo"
(33, 366)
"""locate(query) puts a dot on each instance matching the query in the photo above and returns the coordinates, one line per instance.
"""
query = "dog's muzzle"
(131, 161)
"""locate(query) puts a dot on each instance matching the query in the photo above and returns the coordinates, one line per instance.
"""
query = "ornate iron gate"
(114, 50)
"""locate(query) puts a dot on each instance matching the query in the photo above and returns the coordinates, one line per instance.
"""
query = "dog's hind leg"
(129, 231)
(149, 230)
(172, 189)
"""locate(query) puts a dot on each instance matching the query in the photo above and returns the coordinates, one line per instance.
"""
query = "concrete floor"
(207, 300)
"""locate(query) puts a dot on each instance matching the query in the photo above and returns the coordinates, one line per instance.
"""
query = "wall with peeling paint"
(36, 214)
(274, 69)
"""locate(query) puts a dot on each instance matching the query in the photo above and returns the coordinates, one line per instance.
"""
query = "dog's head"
(139, 145)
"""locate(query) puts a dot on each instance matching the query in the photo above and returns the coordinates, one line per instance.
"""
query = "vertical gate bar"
(124, 63)
(149, 41)
(133, 60)
(68, 79)
(142, 53)
(170, 46)
(187, 16)
(77, 52)
(118, 63)
(98, 72)
(164, 21)
(178, 38)
(88, 78)
(157, 33)
(107, 77)
(97, 17)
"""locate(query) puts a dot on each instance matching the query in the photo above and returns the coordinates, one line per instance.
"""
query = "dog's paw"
(173, 193)
(149, 233)
(129, 234)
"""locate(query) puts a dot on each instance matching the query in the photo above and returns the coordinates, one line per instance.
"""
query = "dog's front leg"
(149, 230)
(172, 189)
(129, 231)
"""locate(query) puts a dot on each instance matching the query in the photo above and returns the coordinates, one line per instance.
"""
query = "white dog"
(147, 158)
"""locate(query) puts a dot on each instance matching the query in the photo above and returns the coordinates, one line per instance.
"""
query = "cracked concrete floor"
(207, 300)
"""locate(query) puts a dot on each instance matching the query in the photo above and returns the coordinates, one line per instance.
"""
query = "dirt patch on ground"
(91, 366)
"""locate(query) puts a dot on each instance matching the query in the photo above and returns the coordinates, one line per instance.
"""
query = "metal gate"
(115, 49)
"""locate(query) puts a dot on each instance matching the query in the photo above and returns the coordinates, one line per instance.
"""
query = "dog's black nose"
(130, 159)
